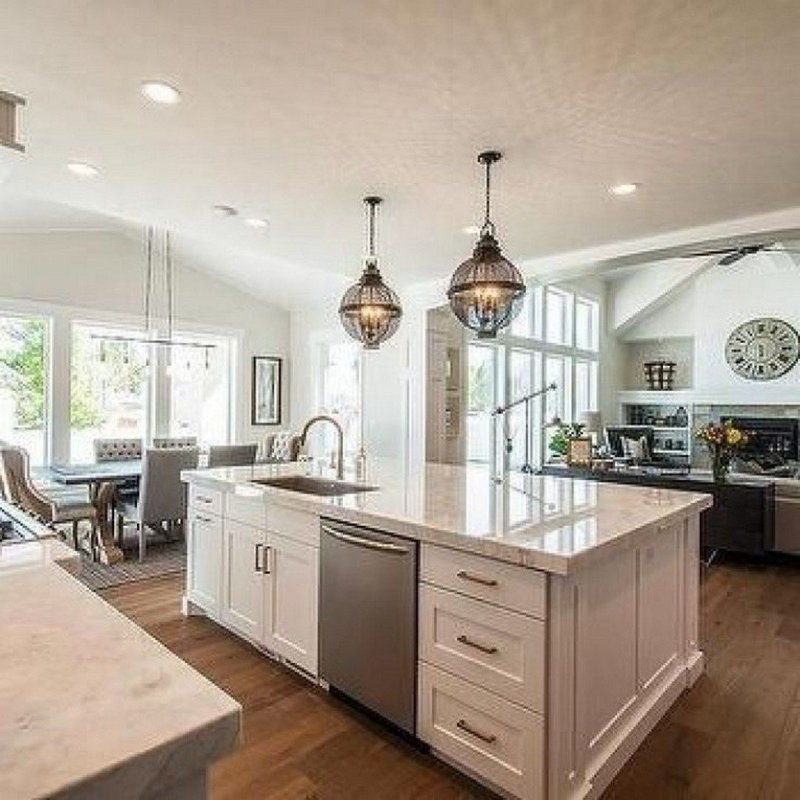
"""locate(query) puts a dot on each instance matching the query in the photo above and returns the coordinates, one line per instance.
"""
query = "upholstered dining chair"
(279, 447)
(59, 507)
(162, 494)
(161, 442)
(232, 455)
(117, 449)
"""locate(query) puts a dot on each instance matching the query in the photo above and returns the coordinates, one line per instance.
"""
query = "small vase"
(719, 468)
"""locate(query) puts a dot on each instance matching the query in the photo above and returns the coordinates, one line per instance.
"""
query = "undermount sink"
(306, 484)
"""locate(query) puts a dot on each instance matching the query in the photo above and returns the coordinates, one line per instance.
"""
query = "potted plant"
(564, 433)
(723, 441)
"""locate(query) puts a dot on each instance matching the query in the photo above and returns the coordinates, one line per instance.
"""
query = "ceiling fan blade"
(732, 258)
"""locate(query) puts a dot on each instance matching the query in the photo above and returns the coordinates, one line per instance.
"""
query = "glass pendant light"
(486, 291)
(370, 311)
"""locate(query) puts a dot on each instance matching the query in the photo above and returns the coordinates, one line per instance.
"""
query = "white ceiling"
(295, 110)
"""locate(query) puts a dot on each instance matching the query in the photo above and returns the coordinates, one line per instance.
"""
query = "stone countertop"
(91, 706)
(549, 523)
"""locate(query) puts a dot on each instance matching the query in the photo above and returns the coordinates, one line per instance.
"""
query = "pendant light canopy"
(486, 291)
(370, 311)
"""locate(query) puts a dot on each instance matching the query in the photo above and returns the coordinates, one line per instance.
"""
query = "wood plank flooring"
(736, 734)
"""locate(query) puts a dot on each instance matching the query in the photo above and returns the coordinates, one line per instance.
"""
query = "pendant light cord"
(372, 258)
(148, 277)
(488, 225)
(371, 234)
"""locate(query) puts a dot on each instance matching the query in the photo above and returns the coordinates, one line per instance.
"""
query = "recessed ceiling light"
(82, 169)
(225, 211)
(472, 230)
(160, 92)
(621, 189)
(255, 222)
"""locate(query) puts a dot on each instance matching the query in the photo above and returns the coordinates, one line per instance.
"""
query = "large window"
(109, 391)
(339, 396)
(24, 355)
(123, 388)
(555, 339)
(200, 389)
(484, 375)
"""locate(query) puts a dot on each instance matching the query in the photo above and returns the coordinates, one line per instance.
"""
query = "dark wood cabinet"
(741, 520)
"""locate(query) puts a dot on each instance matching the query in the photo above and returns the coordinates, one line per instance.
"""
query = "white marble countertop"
(549, 523)
(90, 705)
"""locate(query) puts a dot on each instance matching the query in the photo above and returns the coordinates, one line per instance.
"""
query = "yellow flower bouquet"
(723, 441)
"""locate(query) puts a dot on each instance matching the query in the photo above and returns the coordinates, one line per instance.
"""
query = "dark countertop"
(638, 474)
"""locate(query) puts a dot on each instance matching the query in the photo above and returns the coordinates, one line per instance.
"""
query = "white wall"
(715, 303)
(102, 273)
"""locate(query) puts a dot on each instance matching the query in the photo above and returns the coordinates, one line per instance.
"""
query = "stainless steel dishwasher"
(368, 619)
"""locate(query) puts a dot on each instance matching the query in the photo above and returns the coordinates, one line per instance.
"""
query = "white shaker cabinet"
(290, 600)
(243, 579)
(204, 568)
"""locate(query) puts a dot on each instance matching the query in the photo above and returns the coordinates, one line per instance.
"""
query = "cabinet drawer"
(209, 501)
(251, 509)
(518, 588)
(298, 525)
(498, 649)
(491, 737)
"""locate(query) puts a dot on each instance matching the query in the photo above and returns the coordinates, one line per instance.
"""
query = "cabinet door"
(290, 604)
(243, 579)
(204, 568)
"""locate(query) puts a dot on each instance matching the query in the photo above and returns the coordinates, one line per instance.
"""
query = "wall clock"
(762, 349)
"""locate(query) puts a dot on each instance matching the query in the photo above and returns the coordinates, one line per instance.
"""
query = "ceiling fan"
(730, 255)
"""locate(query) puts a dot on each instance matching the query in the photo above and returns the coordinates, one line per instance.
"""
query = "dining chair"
(161, 442)
(162, 494)
(117, 449)
(232, 455)
(276, 448)
(69, 506)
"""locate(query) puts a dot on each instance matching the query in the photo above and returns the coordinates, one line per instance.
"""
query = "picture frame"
(579, 451)
(266, 390)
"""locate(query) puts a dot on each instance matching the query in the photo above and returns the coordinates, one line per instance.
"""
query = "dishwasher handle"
(360, 541)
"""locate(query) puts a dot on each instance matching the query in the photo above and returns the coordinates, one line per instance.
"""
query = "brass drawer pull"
(466, 576)
(203, 499)
(489, 738)
(201, 518)
(482, 647)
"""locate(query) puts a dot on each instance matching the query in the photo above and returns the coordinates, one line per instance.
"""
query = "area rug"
(162, 558)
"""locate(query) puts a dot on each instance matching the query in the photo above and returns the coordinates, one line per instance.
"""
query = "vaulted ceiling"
(293, 111)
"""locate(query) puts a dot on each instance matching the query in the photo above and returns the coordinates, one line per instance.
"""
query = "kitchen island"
(90, 705)
(556, 618)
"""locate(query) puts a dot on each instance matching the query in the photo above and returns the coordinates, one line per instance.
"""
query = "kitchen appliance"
(368, 619)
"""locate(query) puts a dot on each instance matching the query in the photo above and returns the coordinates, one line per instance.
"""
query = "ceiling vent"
(9, 119)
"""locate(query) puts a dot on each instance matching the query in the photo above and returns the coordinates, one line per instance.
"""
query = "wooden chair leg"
(75, 542)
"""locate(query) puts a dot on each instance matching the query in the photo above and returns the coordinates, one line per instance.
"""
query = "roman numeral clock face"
(762, 349)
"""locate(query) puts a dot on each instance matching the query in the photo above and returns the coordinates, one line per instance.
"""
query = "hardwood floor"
(736, 734)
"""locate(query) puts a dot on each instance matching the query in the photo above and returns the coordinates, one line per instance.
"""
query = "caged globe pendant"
(370, 311)
(486, 291)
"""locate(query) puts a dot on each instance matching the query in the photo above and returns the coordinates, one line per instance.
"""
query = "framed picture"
(579, 451)
(266, 396)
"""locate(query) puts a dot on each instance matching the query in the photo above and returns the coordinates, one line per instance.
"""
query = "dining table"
(94, 476)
